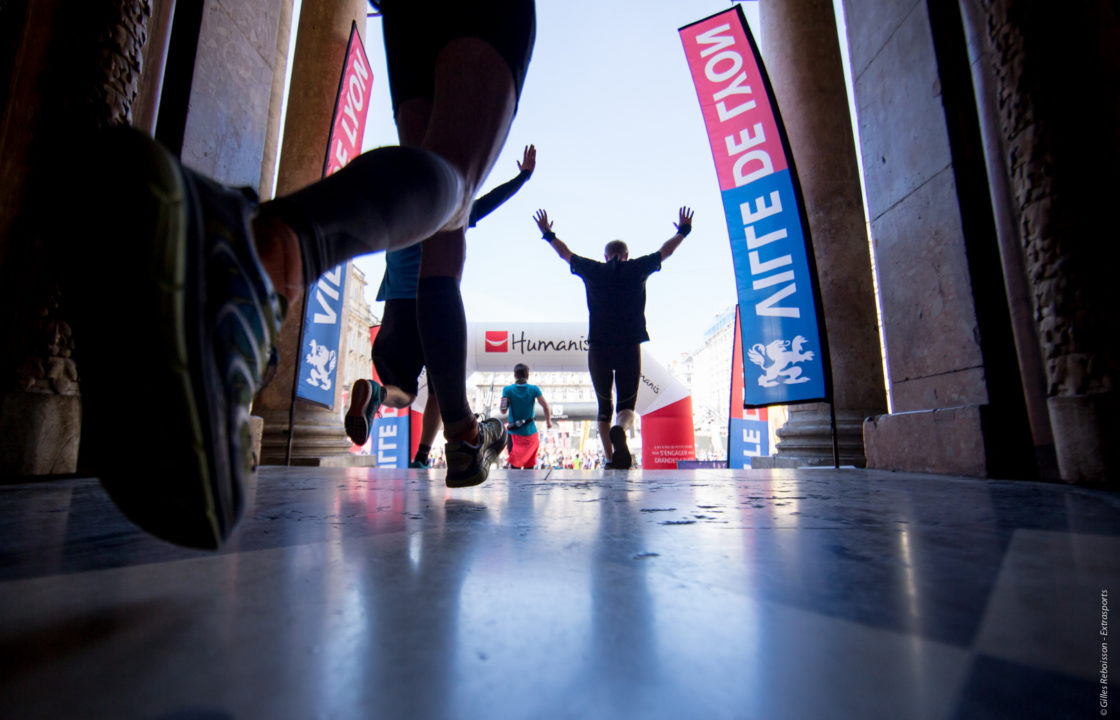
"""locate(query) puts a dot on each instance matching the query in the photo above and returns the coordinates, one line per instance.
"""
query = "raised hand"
(529, 161)
(550, 237)
(542, 221)
(684, 222)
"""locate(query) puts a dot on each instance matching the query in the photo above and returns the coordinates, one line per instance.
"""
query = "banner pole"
(735, 404)
(295, 381)
(727, 450)
(835, 441)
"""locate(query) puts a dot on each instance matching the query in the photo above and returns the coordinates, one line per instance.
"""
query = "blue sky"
(621, 145)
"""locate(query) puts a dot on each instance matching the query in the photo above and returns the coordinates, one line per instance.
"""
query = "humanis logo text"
(502, 341)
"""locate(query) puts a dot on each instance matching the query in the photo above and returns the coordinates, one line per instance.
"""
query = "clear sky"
(621, 145)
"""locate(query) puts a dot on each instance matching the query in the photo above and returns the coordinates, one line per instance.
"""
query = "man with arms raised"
(616, 305)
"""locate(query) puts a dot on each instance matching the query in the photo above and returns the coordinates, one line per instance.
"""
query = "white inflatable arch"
(664, 404)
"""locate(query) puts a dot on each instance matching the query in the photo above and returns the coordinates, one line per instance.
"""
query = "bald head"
(616, 249)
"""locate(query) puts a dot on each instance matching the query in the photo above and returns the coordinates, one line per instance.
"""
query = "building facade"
(710, 370)
(356, 350)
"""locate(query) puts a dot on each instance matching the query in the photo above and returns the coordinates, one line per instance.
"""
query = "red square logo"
(497, 341)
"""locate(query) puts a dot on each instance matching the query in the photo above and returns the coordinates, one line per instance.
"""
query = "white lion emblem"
(322, 362)
(781, 368)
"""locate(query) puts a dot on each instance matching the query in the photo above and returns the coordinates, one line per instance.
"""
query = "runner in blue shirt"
(519, 401)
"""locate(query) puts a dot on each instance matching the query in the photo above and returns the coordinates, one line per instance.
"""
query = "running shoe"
(620, 458)
(469, 464)
(365, 400)
(417, 465)
(179, 321)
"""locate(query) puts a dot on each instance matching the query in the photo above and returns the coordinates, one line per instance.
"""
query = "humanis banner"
(663, 403)
(323, 304)
(782, 338)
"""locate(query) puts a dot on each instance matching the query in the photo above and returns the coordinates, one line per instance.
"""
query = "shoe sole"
(357, 429)
(621, 460)
(173, 477)
(490, 453)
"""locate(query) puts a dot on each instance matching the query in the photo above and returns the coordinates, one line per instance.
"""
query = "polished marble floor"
(361, 593)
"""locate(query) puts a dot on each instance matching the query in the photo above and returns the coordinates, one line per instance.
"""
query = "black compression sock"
(422, 451)
(443, 333)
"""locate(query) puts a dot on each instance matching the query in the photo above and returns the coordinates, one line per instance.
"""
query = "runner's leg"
(440, 312)
(627, 363)
(476, 86)
(602, 379)
(397, 355)
(627, 377)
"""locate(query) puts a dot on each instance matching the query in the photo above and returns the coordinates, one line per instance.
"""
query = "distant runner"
(518, 400)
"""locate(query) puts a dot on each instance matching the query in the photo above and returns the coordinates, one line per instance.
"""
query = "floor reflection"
(365, 593)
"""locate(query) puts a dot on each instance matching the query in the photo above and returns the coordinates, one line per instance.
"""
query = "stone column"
(801, 50)
(1005, 214)
(318, 436)
(1058, 118)
(276, 102)
(227, 119)
(145, 109)
(71, 68)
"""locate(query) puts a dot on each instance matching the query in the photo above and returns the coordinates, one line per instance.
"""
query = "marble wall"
(930, 327)
(228, 115)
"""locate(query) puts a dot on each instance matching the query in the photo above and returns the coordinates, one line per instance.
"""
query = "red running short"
(523, 456)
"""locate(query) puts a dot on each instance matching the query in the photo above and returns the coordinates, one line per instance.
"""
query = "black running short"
(417, 30)
(397, 354)
(620, 365)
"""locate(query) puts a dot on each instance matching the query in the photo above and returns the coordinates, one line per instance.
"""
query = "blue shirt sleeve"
(402, 273)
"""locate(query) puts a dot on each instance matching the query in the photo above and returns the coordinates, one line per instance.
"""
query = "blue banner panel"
(322, 332)
(783, 361)
(390, 441)
(748, 438)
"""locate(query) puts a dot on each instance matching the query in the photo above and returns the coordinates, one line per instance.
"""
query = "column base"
(806, 439)
(256, 427)
(973, 440)
(318, 436)
(948, 441)
(1086, 429)
(39, 433)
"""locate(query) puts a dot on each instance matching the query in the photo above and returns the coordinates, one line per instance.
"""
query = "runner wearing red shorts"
(519, 401)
